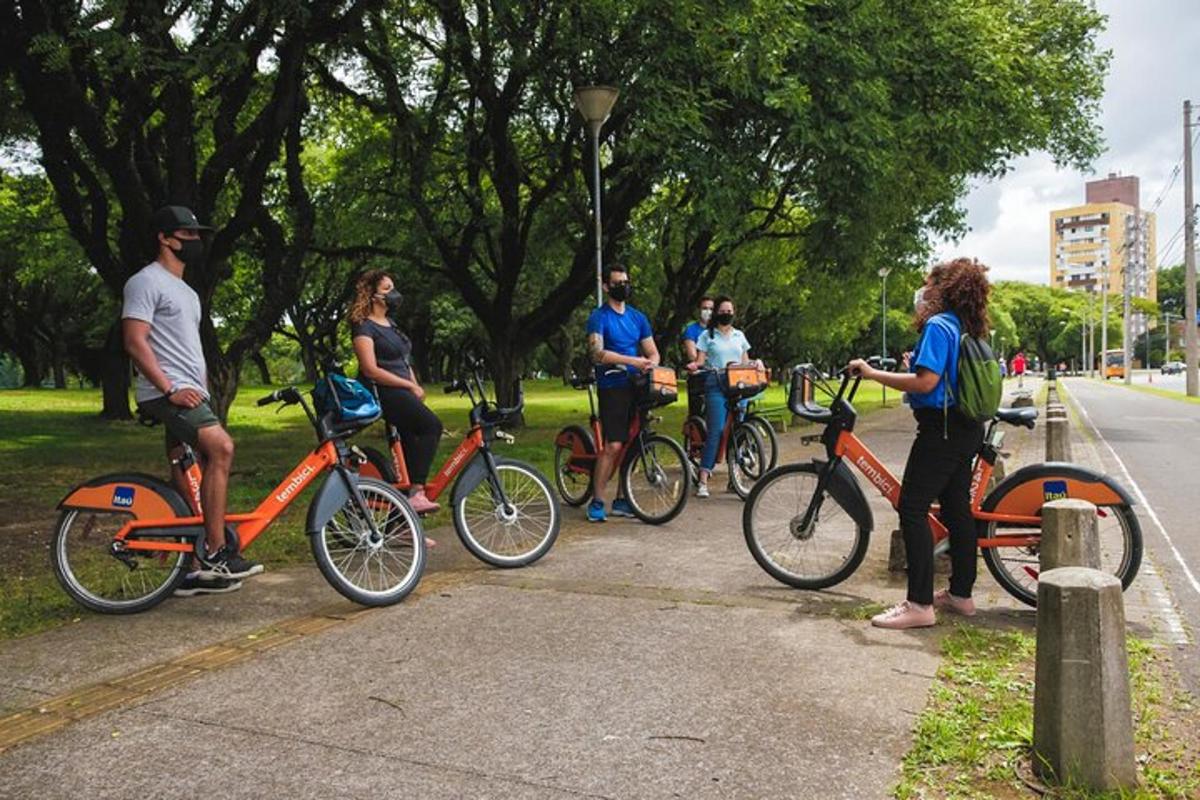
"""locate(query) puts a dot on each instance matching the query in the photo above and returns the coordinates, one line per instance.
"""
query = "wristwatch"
(171, 390)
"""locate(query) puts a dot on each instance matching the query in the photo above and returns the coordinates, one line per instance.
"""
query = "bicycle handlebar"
(273, 397)
(288, 395)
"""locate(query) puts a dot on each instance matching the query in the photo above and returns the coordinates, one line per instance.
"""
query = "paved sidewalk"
(631, 662)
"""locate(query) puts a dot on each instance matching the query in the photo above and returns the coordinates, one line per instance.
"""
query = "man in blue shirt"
(691, 335)
(620, 343)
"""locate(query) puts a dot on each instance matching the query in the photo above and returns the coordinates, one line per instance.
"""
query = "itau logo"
(123, 497)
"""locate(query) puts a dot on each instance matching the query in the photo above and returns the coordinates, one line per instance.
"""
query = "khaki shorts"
(182, 424)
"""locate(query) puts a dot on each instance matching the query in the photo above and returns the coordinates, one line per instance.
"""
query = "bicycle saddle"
(1018, 416)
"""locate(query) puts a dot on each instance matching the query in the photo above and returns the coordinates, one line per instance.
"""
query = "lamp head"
(595, 103)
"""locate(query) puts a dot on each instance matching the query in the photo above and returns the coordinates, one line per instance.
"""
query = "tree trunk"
(222, 387)
(261, 363)
(32, 368)
(60, 373)
(506, 374)
(114, 376)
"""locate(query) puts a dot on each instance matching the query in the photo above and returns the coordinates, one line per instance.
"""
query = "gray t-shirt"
(172, 308)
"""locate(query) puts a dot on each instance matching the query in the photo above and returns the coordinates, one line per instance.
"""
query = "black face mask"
(393, 299)
(191, 253)
(621, 291)
(724, 318)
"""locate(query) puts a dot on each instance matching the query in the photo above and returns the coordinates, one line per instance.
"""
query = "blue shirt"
(692, 332)
(937, 351)
(720, 349)
(621, 333)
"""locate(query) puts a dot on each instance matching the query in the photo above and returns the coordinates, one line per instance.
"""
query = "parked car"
(1171, 368)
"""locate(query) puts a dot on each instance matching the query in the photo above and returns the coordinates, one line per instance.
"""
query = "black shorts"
(182, 424)
(616, 410)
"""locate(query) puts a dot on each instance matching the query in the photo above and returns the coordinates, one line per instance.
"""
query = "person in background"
(1018, 367)
(719, 346)
(953, 302)
(690, 335)
(383, 353)
(621, 344)
(1003, 367)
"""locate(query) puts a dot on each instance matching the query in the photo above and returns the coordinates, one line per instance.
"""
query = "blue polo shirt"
(937, 351)
(621, 334)
(692, 332)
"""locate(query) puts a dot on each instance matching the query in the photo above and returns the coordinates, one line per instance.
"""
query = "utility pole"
(1127, 332)
(1091, 351)
(1104, 326)
(1189, 259)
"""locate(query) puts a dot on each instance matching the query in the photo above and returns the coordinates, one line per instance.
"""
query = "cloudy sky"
(1155, 66)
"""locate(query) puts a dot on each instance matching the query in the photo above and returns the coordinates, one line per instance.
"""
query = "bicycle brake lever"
(505, 437)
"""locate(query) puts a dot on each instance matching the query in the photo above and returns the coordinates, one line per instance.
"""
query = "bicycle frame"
(843, 445)
(456, 463)
(636, 428)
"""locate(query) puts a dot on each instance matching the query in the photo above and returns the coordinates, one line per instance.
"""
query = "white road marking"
(1137, 490)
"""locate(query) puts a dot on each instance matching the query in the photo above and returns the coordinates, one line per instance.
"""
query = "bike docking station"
(1082, 719)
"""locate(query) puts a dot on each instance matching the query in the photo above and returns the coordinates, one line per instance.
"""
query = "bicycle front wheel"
(98, 575)
(510, 519)
(745, 458)
(818, 556)
(769, 439)
(1017, 568)
(372, 567)
(655, 479)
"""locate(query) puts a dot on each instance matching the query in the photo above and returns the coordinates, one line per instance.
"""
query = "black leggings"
(420, 429)
(939, 468)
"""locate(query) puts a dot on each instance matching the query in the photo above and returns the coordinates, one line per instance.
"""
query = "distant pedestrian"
(1003, 367)
(953, 302)
(1018, 367)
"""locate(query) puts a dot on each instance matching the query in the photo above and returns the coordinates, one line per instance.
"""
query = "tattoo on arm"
(596, 348)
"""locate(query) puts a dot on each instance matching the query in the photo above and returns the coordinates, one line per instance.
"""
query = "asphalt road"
(1154, 442)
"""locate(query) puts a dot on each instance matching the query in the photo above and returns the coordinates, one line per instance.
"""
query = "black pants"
(939, 468)
(420, 429)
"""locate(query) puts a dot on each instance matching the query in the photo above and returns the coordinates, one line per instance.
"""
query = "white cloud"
(1154, 45)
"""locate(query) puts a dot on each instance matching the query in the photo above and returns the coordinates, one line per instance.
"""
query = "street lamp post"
(595, 104)
(883, 274)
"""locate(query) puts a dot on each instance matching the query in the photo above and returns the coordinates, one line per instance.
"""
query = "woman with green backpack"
(949, 389)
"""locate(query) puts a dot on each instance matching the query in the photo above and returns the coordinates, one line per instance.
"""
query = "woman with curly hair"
(383, 352)
(953, 302)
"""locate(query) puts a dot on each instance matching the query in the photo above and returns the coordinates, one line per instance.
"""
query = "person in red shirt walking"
(1018, 368)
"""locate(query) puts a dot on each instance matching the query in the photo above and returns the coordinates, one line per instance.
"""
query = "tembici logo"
(295, 483)
(877, 477)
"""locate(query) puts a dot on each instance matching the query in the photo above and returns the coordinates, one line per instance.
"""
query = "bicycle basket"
(743, 382)
(345, 399)
(658, 387)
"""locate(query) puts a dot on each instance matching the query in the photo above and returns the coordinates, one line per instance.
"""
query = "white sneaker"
(702, 490)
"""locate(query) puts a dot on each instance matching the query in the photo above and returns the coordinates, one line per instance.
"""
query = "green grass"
(977, 727)
(52, 440)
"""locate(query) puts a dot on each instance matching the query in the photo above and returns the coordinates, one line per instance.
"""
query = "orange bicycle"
(744, 445)
(124, 541)
(505, 512)
(808, 524)
(654, 470)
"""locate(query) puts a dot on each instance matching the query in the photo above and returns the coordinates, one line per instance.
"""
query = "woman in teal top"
(718, 347)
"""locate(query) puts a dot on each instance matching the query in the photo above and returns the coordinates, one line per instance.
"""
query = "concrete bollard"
(1082, 720)
(1023, 400)
(1070, 537)
(1058, 439)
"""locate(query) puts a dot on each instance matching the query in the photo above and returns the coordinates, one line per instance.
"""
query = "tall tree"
(141, 104)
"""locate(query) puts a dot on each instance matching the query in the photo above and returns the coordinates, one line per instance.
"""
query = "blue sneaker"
(596, 511)
(621, 508)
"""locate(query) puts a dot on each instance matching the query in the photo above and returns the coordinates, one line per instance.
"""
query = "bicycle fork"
(802, 526)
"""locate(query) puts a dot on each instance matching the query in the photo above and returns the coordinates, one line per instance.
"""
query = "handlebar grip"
(452, 388)
(273, 397)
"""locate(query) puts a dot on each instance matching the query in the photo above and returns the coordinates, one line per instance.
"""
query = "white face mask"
(705, 314)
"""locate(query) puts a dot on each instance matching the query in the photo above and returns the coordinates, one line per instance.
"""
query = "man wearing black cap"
(161, 326)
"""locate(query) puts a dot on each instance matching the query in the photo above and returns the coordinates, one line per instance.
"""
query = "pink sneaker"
(905, 615)
(944, 601)
(422, 504)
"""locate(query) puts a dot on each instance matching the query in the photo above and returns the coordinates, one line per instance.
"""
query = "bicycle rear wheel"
(511, 520)
(655, 478)
(824, 554)
(745, 458)
(1016, 568)
(769, 439)
(109, 580)
(574, 461)
(372, 568)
